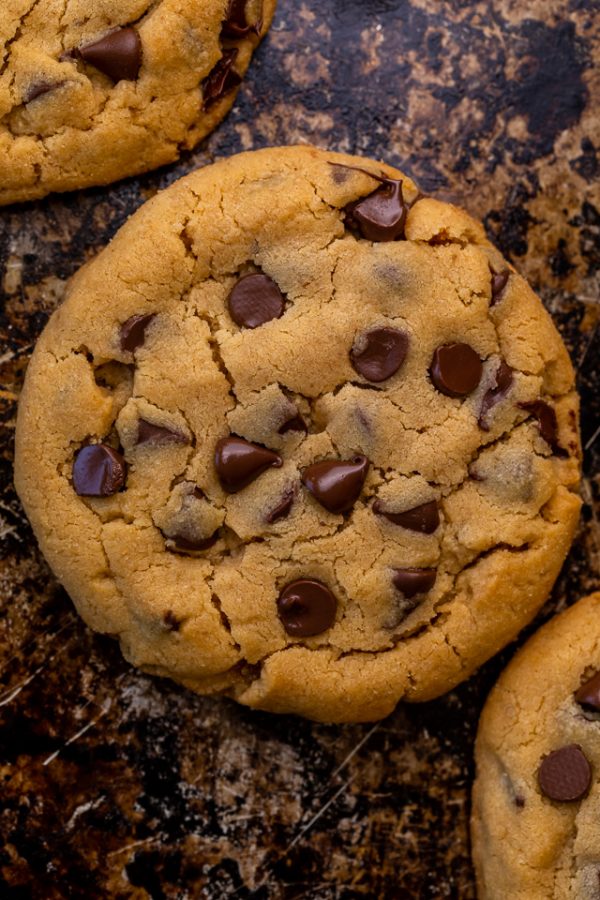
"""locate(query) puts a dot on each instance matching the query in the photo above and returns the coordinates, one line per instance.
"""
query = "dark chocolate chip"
(456, 369)
(306, 607)
(39, 88)
(118, 54)
(183, 543)
(222, 79)
(133, 332)
(548, 424)
(503, 383)
(158, 434)
(336, 484)
(499, 281)
(98, 471)
(254, 300)
(411, 582)
(235, 24)
(282, 509)
(296, 423)
(378, 353)
(238, 462)
(565, 775)
(424, 518)
(381, 216)
(588, 694)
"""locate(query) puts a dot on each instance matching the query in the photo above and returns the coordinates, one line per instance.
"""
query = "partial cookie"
(315, 448)
(536, 800)
(92, 90)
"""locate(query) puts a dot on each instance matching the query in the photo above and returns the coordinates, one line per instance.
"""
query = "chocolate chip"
(588, 694)
(548, 424)
(39, 88)
(381, 216)
(499, 280)
(235, 24)
(455, 369)
(158, 434)
(98, 471)
(133, 332)
(503, 383)
(238, 462)
(424, 518)
(565, 775)
(378, 353)
(306, 607)
(282, 509)
(411, 582)
(336, 484)
(254, 300)
(118, 54)
(221, 79)
(183, 543)
(296, 423)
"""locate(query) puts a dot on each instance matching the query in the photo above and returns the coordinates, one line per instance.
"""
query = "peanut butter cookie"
(301, 436)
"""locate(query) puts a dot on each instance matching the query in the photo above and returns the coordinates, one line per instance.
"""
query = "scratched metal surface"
(117, 785)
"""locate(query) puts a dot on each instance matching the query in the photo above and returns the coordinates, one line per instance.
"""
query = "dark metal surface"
(114, 784)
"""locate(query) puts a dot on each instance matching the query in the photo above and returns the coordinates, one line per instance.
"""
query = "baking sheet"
(114, 784)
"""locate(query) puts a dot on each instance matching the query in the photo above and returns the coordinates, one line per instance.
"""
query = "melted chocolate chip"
(296, 423)
(306, 607)
(424, 518)
(282, 509)
(118, 54)
(565, 775)
(39, 88)
(158, 434)
(98, 471)
(222, 79)
(548, 424)
(235, 24)
(503, 382)
(336, 484)
(378, 353)
(588, 695)
(412, 582)
(499, 281)
(455, 369)
(183, 543)
(381, 216)
(254, 300)
(238, 462)
(133, 332)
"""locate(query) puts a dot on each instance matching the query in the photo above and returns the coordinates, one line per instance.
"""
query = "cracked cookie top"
(302, 436)
(536, 798)
(93, 91)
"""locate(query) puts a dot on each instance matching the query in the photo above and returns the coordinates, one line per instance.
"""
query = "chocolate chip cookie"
(536, 801)
(301, 436)
(93, 91)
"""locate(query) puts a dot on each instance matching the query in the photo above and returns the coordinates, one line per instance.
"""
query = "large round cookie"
(93, 90)
(536, 801)
(336, 435)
